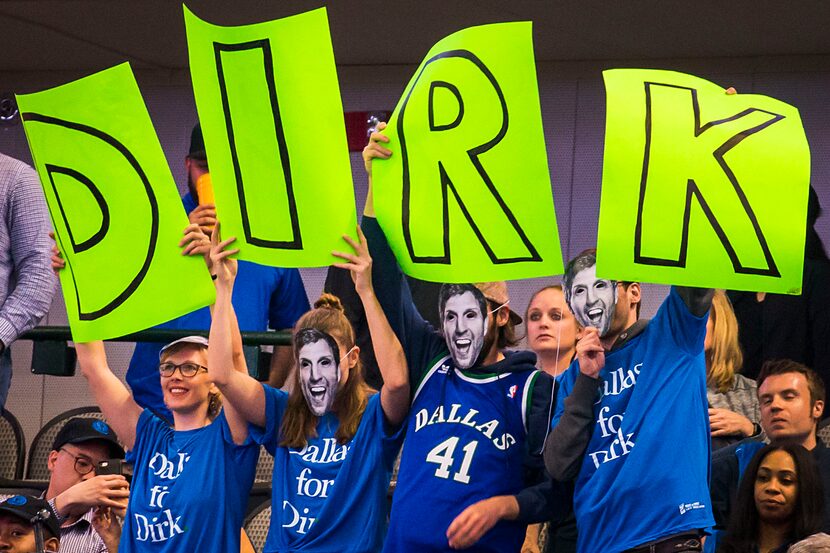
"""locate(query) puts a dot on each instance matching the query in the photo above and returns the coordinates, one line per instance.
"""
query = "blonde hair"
(299, 423)
(214, 406)
(724, 357)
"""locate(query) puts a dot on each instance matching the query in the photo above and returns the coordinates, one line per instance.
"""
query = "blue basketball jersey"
(465, 442)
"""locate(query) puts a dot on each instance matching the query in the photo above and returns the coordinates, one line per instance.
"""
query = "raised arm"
(394, 395)
(418, 339)
(111, 395)
(698, 300)
(244, 396)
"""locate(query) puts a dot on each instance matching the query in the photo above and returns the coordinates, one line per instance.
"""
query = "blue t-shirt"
(646, 469)
(325, 496)
(189, 490)
(263, 297)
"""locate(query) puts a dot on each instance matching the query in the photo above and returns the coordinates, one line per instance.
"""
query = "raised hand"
(58, 262)
(374, 149)
(590, 353)
(358, 264)
(223, 266)
(204, 216)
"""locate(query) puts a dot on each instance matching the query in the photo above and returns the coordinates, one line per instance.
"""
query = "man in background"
(26, 280)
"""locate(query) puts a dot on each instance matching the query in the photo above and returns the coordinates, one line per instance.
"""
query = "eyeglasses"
(83, 465)
(187, 370)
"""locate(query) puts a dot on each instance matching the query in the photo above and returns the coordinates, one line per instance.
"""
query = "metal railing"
(52, 355)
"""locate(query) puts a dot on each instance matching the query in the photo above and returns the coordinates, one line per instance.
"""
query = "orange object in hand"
(204, 190)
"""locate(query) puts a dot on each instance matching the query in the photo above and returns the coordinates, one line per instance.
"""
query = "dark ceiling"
(47, 35)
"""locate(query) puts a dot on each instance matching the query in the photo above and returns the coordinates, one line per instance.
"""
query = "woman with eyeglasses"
(190, 482)
(333, 439)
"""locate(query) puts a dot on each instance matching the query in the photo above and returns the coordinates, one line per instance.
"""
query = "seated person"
(779, 503)
(17, 531)
(82, 500)
(791, 397)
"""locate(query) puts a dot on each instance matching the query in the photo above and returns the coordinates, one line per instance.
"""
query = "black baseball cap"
(197, 143)
(81, 429)
(26, 508)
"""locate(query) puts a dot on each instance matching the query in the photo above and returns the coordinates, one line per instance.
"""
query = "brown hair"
(299, 423)
(724, 357)
(505, 335)
(782, 366)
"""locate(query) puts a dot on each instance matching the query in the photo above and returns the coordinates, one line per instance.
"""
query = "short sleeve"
(147, 430)
(275, 404)
(391, 436)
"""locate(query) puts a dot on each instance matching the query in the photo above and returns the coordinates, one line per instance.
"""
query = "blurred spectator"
(791, 398)
(265, 297)
(779, 326)
(733, 398)
(552, 331)
(26, 280)
(17, 531)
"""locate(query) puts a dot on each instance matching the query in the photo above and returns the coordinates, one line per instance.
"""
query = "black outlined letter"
(454, 162)
(667, 186)
(256, 54)
(53, 170)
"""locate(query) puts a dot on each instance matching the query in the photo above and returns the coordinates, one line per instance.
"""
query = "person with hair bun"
(333, 439)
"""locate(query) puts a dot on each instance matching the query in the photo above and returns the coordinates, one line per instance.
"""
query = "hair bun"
(329, 301)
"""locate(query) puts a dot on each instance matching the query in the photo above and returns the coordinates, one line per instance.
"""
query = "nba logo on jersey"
(511, 392)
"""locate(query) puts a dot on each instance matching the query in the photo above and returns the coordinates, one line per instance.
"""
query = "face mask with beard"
(318, 362)
(591, 300)
(463, 311)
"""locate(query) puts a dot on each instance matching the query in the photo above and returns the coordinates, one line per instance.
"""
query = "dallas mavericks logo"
(101, 427)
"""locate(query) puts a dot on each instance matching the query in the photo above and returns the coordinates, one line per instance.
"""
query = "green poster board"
(466, 195)
(271, 115)
(116, 211)
(701, 188)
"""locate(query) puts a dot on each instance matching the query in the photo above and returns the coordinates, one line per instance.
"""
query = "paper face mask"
(318, 362)
(591, 300)
(463, 311)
